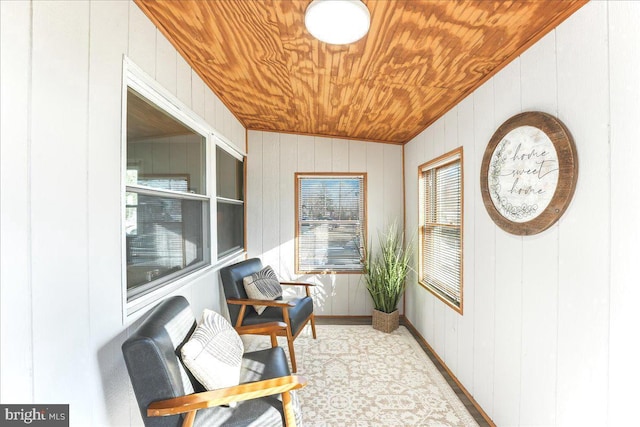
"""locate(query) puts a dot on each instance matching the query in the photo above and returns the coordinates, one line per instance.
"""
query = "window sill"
(137, 307)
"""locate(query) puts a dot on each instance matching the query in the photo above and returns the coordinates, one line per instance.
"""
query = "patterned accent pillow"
(262, 285)
(213, 353)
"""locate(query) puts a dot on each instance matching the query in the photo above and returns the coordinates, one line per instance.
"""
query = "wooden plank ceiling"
(419, 59)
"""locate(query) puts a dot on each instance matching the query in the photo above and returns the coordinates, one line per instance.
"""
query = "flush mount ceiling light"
(337, 21)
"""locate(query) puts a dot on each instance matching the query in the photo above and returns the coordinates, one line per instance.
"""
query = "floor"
(366, 320)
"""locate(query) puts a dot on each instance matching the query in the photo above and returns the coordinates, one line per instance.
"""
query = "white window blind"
(330, 222)
(441, 227)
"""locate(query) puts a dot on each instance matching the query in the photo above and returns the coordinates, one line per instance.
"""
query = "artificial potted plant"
(385, 274)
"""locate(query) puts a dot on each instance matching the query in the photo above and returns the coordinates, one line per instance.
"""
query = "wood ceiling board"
(419, 59)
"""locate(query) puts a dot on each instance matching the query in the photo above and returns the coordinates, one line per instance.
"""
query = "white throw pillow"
(262, 285)
(213, 353)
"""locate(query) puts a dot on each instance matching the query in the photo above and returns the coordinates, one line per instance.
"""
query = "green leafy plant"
(385, 272)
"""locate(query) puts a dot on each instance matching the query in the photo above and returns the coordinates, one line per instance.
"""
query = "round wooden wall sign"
(529, 173)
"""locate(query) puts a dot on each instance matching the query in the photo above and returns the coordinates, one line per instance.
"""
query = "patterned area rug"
(362, 377)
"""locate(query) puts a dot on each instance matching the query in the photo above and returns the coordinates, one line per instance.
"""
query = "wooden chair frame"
(244, 302)
(190, 404)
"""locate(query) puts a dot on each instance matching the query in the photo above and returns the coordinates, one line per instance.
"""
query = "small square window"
(330, 222)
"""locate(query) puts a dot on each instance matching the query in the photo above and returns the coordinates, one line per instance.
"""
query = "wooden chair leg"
(292, 354)
(189, 418)
(313, 325)
(287, 406)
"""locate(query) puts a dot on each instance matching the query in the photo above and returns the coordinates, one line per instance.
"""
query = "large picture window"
(441, 227)
(330, 222)
(166, 218)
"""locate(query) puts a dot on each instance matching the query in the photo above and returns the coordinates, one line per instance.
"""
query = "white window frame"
(136, 79)
(229, 149)
(435, 288)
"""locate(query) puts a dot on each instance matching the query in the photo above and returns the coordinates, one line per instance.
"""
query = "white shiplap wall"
(60, 148)
(272, 161)
(548, 335)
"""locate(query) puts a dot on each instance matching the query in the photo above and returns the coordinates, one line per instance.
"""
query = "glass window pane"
(230, 176)
(161, 151)
(441, 227)
(164, 235)
(230, 228)
(330, 223)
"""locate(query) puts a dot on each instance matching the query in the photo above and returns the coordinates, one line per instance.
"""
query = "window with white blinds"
(330, 222)
(441, 227)
(167, 202)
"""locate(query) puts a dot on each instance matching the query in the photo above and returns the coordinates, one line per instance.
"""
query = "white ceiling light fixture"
(337, 21)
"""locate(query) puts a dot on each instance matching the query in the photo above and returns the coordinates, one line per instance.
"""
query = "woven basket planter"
(385, 322)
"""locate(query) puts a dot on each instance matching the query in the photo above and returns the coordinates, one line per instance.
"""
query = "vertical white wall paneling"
(183, 83)
(16, 362)
(239, 135)
(108, 40)
(585, 279)
(271, 192)
(227, 121)
(254, 194)
(283, 155)
(339, 282)
(451, 316)
(339, 155)
(485, 261)
(392, 178)
(375, 193)
(306, 154)
(210, 105)
(539, 285)
(508, 280)
(414, 156)
(392, 190)
(359, 299)
(197, 97)
(219, 115)
(60, 247)
(624, 371)
(142, 40)
(323, 148)
(166, 67)
(287, 218)
(464, 370)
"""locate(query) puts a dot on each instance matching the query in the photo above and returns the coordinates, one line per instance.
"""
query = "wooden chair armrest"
(261, 329)
(223, 396)
(268, 303)
(297, 284)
